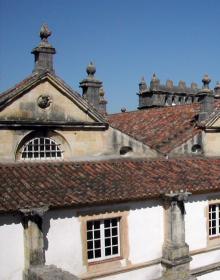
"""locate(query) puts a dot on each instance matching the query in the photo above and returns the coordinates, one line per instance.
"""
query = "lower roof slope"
(74, 184)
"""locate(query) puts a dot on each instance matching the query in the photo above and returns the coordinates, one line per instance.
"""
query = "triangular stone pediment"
(46, 98)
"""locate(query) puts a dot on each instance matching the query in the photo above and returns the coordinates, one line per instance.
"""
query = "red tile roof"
(162, 129)
(27, 185)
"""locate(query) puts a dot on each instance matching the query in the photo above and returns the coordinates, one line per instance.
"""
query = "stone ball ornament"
(91, 69)
(44, 101)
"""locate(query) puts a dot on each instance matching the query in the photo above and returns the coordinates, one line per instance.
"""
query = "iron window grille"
(41, 148)
(214, 220)
(103, 239)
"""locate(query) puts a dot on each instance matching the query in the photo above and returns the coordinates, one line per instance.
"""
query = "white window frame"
(216, 219)
(34, 147)
(103, 238)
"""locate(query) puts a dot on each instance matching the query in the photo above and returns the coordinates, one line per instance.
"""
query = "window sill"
(106, 265)
(214, 237)
(105, 261)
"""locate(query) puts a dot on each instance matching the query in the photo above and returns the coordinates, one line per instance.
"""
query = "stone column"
(33, 237)
(175, 259)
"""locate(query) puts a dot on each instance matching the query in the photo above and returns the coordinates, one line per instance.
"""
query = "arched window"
(41, 148)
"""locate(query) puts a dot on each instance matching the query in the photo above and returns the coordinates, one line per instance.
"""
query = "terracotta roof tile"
(162, 129)
(26, 185)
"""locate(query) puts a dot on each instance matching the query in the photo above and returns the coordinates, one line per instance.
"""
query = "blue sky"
(126, 39)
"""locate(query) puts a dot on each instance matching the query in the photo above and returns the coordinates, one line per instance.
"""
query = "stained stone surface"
(50, 272)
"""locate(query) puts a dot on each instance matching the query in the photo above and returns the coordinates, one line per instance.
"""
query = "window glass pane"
(213, 215)
(114, 240)
(107, 242)
(98, 253)
(97, 243)
(89, 225)
(90, 245)
(96, 224)
(97, 234)
(107, 232)
(114, 222)
(90, 254)
(89, 235)
(213, 230)
(115, 250)
(24, 155)
(107, 223)
(108, 251)
(114, 231)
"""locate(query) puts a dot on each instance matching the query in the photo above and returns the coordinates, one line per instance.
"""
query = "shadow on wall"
(8, 219)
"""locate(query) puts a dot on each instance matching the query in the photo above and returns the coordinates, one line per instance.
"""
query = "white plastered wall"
(145, 223)
(64, 245)
(196, 220)
(215, 275)
(11, 248)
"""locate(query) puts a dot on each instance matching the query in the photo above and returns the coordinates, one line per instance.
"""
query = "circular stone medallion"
(44, 101)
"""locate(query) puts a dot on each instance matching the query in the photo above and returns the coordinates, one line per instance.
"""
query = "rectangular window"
(214, 219)
(103, 239)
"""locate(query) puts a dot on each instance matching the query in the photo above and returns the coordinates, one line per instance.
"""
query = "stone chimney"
(91, 87)
(43, 54)
(207, 104)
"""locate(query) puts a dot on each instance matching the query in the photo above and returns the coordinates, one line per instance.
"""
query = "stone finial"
(44, 52)
(142, 85)
(182, 84)
(206, 81)
(45, 32)
(154, 78)
(123, 109)
(154, 82)
(169, 84)
(194, 86)
(91, 69)
(102, 101)
(101, 92)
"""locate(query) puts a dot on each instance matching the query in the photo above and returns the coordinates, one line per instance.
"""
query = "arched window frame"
(41, 148)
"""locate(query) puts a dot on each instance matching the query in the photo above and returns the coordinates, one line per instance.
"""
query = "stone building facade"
(88, 195)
